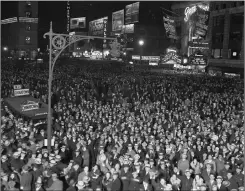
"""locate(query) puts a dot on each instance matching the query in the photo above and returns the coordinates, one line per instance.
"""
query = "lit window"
(28, 14)
(28, 40)
(28, 3)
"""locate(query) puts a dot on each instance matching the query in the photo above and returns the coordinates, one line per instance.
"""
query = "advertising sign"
(128, 29)
(117, 20)
(98, 27)
(135, 57)
(132, 13)
(171, 56)
(151, 58)
(198, 59)
(21, 92)
(170, 27)
(17, 87)
(201, 22)
(78, 23)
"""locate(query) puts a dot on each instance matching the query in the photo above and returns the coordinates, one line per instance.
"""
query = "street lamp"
(141, 43)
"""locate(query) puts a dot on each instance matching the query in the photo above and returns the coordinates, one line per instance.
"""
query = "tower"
(21, 31)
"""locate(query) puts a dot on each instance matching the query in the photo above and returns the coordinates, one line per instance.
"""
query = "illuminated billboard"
(128, 29)
(117, 20)
(78, 23)
(98, 27)
(132, 13)
(170, 27)
(201, 24)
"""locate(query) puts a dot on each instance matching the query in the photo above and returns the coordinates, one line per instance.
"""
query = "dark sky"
(55, 11)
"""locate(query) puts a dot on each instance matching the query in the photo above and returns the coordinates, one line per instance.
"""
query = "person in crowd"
(118, 130)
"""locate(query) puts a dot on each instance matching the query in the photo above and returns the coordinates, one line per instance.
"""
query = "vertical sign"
(68, 16)
(104, 31)
(201, 22)
(170, 27)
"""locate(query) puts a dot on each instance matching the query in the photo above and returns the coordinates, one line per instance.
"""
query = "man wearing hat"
(38, 185)
(134, 182)
(186, 181)
(57, 185)
(233, 184)
(239, 177)
(26, 179)
(125, 176)
(59, 165)
(146, 186)
(224, 171)
(116, 182)
(5, 164)
(220, 184)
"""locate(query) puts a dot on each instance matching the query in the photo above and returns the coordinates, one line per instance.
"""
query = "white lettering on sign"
(30, 107)
(189, 11)
(21, 92)
(17, 87)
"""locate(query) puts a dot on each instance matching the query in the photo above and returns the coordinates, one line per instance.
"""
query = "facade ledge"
(226, 63)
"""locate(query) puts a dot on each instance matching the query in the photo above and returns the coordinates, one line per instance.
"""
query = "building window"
(218, 38)
(224, 6)
(234, 54)
(28, 14)
(233, 4)
(28, 40)
(28, 3)
(236, 36)
(217, 53)
(242, 3)
(218, 20)
(216, 7)
(28, 27)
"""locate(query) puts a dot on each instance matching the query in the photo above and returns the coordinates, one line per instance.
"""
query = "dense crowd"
(118, 130)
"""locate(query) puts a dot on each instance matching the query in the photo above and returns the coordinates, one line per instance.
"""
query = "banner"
(128, 29)
(198, 58)
(201, 22)
(21, 92)
(117, 20)
(98, 27)
(170, 27)
(132, 13)
(78, 23)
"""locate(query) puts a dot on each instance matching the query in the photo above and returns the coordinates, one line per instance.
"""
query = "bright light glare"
(130, 62)
(124, 53)
(141, 42)
(185, 60)
(5, 48)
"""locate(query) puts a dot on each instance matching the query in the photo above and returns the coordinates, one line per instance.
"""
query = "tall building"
(187, 16)
(20, 31)
(226, 35)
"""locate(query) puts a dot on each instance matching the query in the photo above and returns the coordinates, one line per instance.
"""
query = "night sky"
(55, 11)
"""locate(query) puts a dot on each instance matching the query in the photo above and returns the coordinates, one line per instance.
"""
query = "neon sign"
(189, 11)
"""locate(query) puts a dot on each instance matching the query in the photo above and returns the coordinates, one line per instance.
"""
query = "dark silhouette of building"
(20, 29)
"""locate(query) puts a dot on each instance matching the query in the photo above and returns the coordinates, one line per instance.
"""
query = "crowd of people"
(119, 130)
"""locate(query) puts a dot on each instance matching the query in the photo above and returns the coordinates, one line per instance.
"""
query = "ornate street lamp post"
(58, 43)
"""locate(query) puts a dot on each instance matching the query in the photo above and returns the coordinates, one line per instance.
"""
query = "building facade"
(21, 31)
(226, 35)
(186, 23)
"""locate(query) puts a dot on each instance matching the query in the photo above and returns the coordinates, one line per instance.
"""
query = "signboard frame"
(132, 13)
(117, 16)
(78, 19)
(100, 29)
